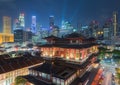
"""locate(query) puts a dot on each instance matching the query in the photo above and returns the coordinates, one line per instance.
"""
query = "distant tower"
(33, 26)
(115, 23)
(51, 22)
(22, 20)
(16, 24)
(6, 24)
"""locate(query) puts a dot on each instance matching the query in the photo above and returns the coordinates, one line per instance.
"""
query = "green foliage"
(20, 80)
(102, 49)
(116, 52)
(102, 52)
(118, 76)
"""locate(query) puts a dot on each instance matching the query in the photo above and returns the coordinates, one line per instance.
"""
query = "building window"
(51, 52)
(72, 54)
(77, 41)
(39, 73)
(44, 75)
(54, 80)
(62, 82)
(80, 55)
(58, 81)
(77, 55)
(48, 77)
(67, 54)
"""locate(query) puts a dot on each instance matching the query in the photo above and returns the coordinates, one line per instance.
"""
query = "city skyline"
(59, 42)
(78, 11)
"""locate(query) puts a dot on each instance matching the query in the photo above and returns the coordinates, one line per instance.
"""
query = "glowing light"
(67, 57)
(98, 32)
(33, 26)
(22, 20)
(51, 55)
(76, 58)
(101, 32)
(62, 55)
(74, 30)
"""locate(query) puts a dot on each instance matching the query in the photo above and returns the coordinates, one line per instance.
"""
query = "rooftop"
(55, 69)
(74, 35)
(74, 46)
(10, 64)
(35, 81)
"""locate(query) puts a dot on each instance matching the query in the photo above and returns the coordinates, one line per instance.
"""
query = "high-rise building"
(19, 23)
(55, 31)
(93, 27)
(6, 24)
(66, 25)
(108, 30)
(21, 35)
(51, 22)
(16, 24)
(22, 20)
(6, 36)
(115, 23)
(66, 28)
(33, 26)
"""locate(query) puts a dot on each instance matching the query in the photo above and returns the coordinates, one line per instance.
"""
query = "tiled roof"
(74, 35)
(90, 39)
(76, 46)
(60, 71)
(11, 64)
(45, 68)
(4, 56)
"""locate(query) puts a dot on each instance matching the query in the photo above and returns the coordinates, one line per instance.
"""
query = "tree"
(118, 74)
(116, 52)
(102, 52)
(20, 81)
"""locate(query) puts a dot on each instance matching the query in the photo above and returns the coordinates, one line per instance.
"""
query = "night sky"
(82, 11)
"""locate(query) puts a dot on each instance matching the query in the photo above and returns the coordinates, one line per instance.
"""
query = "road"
(108, 79)
(92, 75)
(109, 68)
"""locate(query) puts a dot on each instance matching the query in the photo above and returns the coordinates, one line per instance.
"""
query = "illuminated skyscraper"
(16, 24)
(6, 24)
(51, 22)
(6, 36)
(66, 25)
(33, 26)
(22, 20)
(115, 23)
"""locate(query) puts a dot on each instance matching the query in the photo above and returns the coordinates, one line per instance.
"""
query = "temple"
(72, 47)
(66, 60)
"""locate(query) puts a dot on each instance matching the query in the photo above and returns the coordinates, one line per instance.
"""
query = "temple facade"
(71, 54)
(73, 47)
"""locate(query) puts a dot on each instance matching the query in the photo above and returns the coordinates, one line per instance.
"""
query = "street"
(93, 73)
